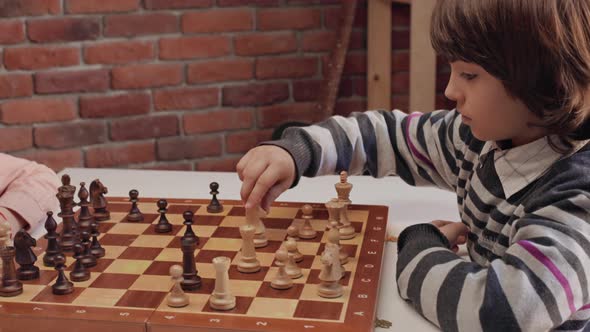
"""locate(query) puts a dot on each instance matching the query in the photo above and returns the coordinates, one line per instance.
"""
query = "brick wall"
(172, 84)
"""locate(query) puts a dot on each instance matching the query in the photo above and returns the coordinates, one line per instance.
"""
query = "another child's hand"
(266, 172)
(455, 232)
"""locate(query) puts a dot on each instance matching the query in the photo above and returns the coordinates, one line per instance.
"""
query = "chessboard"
(128, 287)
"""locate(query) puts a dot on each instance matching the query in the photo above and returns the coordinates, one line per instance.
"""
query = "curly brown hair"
(539, 50)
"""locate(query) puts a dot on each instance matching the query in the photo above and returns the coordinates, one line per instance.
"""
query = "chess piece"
(291, 268)
(331, 273)
(163, 225)
(5, 231)
(25, 257)
(99, 202)
(253, 217)
(191, 280)
(188, 221)
(292, 235)
(85, 218)
(9, 285)
(343, 189)
(52, 244)
(65, 195)
(96, 249)
(221, 298)
(334, 238)
(62, 285)
(307, 232)
(177, 298)
(79, 273)
(281, 279)
(248, 262)
(334, 208)
(88, 260)
(134, 214)
(214, 206)
(346, 229)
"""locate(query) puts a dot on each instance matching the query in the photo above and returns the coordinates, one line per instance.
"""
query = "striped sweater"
(527, 207)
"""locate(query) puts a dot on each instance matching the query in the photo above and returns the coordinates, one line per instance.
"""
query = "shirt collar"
(519, 166)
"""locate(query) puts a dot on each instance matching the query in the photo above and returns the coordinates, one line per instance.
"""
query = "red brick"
(16, 85)
(345, 88)
(15, 138)
(221, 120)
(358, 40)
(182, 166)
(355, 64)
(229, 3)
(244, 141)
(217, 164)
(11, 32)
(119, 155)
(145, 76)
(218, 21)
(113, 106)
(186, 98)
(307, 90)
(345, 107)
(177, 4)
(268, 68)
(55, 159)
(264, 44)
(188, 147)
(70, 134)
(255, 94)
(31, 58)
(140, 24)
(100, 6)
(318, 41)
(10, 8)
(277, 114)
(119, 52)
(31, 111)
(288, 19)
(359, 86)
(220, 71)
(194, 47)
(63, 29)
(72, 81)
(145, 127)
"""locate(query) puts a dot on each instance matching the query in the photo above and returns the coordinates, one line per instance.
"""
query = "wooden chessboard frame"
(44, 314)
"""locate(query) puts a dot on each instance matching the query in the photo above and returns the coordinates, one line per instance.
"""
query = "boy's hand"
(266, 172)
(455, 232)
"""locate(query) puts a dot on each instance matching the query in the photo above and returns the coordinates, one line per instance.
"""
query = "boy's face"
(488, 109)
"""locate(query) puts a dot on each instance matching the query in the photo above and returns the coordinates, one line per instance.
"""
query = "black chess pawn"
(79, 273)
(85, 218)
(25, 257)
(188, 222)
(9, 284)
(191, 279)
(95, 248)
(163, 225)
(52, 244)
(62, 285)
(88, 260)
(214, 206)
(134, 213)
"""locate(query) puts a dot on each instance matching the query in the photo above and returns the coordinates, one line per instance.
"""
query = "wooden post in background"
(379, 55)
(422, 58)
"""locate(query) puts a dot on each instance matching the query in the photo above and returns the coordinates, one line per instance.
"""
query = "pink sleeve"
(27, 188)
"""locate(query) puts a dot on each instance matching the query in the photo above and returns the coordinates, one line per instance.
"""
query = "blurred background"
(181, 84)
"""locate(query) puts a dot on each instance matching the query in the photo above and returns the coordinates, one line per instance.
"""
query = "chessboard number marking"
(124, 314)
(261, 323)
(215, 320)
(377, 228)
(360, 313)
(372, 252)
(374, 240)
(369, 266)
(308, 326)
(81, 311)
(366, 280)
(363, 296)
(37, 309)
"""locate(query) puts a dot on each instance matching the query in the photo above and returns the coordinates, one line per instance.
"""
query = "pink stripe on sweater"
(533, 250)
(413, 148)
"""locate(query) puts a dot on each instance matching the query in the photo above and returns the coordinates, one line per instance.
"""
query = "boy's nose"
(451, 91)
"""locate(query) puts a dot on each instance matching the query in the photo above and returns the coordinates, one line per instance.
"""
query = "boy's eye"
(468, 76)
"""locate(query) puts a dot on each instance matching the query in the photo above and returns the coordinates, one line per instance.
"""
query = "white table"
(407, 205)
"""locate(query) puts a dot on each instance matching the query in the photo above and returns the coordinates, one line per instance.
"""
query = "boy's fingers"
(271, 196)
(251, 176)
(261, 187)
(242, 165)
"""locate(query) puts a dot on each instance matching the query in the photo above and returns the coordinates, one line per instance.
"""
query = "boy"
(515, 151)
(27, 192)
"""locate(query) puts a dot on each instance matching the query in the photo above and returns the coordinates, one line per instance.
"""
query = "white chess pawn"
(248, 262)
(331, 273)
(334, 238)
(5, 231)
(307, 231)
(292, 233)
(221, 299)
(282, 279)
(291, 267)
(177, 298)
(253, 217)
